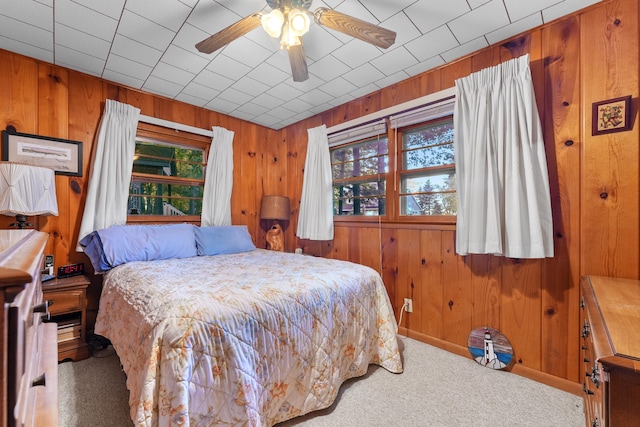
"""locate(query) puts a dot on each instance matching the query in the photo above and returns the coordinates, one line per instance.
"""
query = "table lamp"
(26, 190)
(275, 208)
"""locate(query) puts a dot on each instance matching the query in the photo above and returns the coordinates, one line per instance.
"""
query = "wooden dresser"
(29, 369)
(610, 319)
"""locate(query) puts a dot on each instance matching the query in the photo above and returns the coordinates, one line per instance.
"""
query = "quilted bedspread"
(252, 339)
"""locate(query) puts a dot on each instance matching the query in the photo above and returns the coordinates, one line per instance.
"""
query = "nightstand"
(69, 311)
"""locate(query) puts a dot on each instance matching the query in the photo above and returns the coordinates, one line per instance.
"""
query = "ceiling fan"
(289, 20)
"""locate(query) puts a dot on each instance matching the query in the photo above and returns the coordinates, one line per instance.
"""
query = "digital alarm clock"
(71, 270)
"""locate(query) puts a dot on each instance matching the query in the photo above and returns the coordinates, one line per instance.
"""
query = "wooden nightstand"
(69, 311)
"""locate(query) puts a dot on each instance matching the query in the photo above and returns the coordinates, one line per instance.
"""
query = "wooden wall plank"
(430, 299)
(457, 307)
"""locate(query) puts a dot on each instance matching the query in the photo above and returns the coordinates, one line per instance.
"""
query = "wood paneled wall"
(587, 57)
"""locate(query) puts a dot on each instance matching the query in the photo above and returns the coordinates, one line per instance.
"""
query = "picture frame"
(62, 155)
(612, 115)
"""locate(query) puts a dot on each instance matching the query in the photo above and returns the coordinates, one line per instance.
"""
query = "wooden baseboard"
(523, 371)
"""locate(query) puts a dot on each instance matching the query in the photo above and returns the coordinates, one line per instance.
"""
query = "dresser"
(610, 340)
(29, 369)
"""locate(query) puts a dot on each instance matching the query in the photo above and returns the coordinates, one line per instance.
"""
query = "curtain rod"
(414, 103)
(175, 126)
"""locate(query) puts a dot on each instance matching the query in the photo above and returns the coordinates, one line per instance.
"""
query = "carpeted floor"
(437, 388)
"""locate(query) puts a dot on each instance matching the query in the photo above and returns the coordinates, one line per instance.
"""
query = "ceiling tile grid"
(150, 45)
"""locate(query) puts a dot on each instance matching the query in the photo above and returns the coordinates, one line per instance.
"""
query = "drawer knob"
(585, 329)
(40, 381)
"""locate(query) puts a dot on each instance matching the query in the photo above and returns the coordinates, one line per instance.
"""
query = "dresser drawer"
(65, 302)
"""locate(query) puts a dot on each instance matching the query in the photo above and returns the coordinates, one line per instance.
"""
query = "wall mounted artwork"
(613, 115)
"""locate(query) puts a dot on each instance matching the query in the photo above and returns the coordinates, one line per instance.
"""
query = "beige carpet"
(437, 388)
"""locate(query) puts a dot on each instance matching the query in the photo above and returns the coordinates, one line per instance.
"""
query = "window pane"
(429, 204)
(428, 146)
(363, 198)
(168, 160)
(150, 198)
(360, 159)
(429, 194)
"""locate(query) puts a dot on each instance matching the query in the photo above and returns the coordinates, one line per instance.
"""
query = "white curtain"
(504, 205)
(315, 221)
(108, 190)
(218, 182)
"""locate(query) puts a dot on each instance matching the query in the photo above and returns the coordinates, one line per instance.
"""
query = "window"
(168, 176)
(427, 173)
(406, 173)
(360, 177)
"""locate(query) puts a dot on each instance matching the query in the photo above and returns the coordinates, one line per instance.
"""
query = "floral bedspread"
(252, 339)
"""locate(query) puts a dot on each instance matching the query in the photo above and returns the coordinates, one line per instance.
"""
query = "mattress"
(253, 338)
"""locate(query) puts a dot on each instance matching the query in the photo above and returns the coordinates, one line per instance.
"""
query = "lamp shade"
(27, 190)
(275, 207)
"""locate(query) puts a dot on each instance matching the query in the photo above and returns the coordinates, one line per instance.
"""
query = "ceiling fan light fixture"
(289, 38)
(298, 22)
(272, 22)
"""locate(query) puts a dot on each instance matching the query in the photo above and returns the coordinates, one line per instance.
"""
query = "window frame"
(164, 135)
(393, 180)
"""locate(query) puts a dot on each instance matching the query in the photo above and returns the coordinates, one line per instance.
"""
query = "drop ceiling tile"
(564, 8)
(311, 83)
(82, 42)
(188, 37)
(488, 17)
(250, 86)
(247, 52)
(135, 51)
(127, 67)
(365, 90)
(79, 61)
(284, 92)
(314, 96)
(328, 68)
(115, 76)
(395, 78)
(404, 28)
(268, 101)
(163, 87)
(382, 10)
(341, 100)
(516, 28)
(477, 3)
(428, 15)
(337, 87)
(166, 13)
(268, 74)
(83, 19)
(425, 65)
(185, 60)
(197, 90)
(26, 49)
(320, 42)
(172, 74)
(252, 110)
(432, 43)
(354, 53)
(212, 17)
(234, 95)
(228, 67)
(462, 50)
(111, 8)
(298, 106)
(192, 100)
(213, 80)
(144, 31)
(244, 7)
(222, 105)
(28, 12)
(394, 61)
(26, 34)
(518, 9)
(364, 75)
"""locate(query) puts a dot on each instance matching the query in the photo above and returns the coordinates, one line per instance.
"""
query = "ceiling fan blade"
(355, 27)
(229, 34)
(298, 63)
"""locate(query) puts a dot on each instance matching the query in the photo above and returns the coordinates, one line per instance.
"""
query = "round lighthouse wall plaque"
(490, 348)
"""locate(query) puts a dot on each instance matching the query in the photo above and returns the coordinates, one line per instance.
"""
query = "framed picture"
(613, 115)
(61, 155)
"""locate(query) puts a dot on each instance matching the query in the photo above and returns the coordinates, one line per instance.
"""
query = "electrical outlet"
(408, 305)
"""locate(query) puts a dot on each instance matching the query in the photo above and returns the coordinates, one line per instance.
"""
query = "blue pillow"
(110, 247)
(223, 239)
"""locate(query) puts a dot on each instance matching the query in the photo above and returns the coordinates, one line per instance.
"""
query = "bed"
(253, 337)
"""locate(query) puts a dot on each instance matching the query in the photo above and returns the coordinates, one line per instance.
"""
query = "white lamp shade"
(27, 190)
